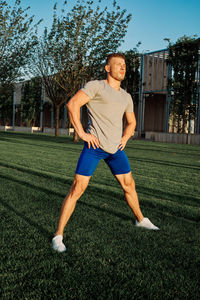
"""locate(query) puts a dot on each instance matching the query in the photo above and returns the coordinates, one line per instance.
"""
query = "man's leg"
(77, 189)
(128, 185)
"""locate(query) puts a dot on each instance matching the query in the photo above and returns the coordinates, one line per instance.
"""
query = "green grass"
(107, 257)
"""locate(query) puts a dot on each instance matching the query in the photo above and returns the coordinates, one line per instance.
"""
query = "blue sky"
(152, 21)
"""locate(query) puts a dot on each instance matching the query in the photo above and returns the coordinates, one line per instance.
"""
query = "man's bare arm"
(73, 106)
(129, 130)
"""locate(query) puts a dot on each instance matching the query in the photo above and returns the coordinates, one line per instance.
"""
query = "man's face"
(116, 68)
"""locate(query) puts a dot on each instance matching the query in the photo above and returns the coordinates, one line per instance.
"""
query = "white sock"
(57, 243)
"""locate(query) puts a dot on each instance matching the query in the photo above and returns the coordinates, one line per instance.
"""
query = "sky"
(151, 22)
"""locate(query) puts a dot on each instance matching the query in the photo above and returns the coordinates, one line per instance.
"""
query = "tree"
(17, 40)
(30, 102)
(131, 82)
(76, 46)
(183, 57)
(6, 104)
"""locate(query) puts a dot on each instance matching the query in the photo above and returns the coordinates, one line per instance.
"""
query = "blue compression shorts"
(89, 159)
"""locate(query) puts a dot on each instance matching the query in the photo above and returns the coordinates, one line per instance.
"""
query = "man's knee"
(128, 184)
(79, 185)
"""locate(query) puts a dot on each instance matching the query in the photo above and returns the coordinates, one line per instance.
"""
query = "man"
(107, 103)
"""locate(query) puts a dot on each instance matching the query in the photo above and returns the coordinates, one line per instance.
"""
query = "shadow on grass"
(39, 173)
(140, 189)
(42, 230)
(164, 163)
(66, 148)
(171, 148)
(96, 190)
(38, 137)
(59, 148)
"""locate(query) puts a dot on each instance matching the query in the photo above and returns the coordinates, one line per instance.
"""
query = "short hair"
(110, 56)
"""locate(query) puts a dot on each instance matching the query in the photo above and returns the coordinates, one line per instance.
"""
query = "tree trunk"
(179, 125)
(173, 123)
(184, 124)
(189, 120)
(75, 136)
(57, 120)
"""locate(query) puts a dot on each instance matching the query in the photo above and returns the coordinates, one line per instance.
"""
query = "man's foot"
(146, 223)
(58, 244)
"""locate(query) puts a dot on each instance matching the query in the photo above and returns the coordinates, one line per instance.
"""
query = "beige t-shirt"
(105, 113)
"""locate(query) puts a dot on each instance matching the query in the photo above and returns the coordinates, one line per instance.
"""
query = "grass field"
(107, 257)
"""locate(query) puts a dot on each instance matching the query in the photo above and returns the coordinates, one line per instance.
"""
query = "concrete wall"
(20, 129)
(62, 131)
(37, 129)
(178, 138)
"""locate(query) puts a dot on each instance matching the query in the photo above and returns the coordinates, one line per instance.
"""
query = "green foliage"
(6, 102)
(131, 82)
(183, 57)
(31, 101)
(107, 257)
(81, 40)
(17, 40)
